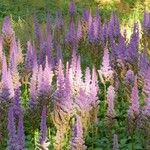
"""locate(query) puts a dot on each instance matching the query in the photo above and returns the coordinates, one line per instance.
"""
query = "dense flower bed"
(76, 88)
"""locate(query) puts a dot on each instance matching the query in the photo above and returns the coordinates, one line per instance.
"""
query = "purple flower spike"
(72, 8)
(14, 55)
(146, 22)
(85, 15)
(71, 35)
(91, 32)
(94, 88)
(43, 130)
(146, 110)
(77, 141)
(59, 22)
(37, 30)
(59, 55)
(98, 27)
(33, 86)
(20, 132)
(63, 94)
(106, 70)
(129, 78)
(7, 30)
(78, 73)
(7, 92)
(146, 87)
(12, 135)
(132, 48)
(29, 56)
(110, 101)
(143, 63)
(44, 80)
(133, 111)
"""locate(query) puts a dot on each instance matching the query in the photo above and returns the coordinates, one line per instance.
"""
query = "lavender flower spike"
(129, 78)
(43, 129)
(12, 141)
(133, 111)
(77, 141)
(20, 135)
(7, 30)
(72, 8)
(110, 100)
(106, 70)
(7, 91)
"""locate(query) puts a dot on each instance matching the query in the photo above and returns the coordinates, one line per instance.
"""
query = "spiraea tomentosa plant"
(60, 92)
(63, 106)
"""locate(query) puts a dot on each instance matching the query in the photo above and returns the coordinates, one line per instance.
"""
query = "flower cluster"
(61, 88)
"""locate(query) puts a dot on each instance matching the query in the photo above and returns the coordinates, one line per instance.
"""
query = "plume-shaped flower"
(7, 92)
(15, 55)
(20, 131)
(63, 94)
(33, 85)
(146, 110)
(15, 131)
(77, 141)
(110, 100)
(98, 27)
(71, 35)
(146, 22)
(85, 15)
(7, 30)
(146, 87)
(132, 48)
(72, 8)
(94, 88)
(78, 81)
(143, 63)
(44, 81)
(91, 32)
(133, 111)
(30, 56)
(59, 22)
(43, 130)
(59, 55)
(129, 78)
(37, 32)
(12, 137)
(106, 70)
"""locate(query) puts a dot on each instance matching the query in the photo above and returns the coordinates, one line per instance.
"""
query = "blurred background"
(22, 11)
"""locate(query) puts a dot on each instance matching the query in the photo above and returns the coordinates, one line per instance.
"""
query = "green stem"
(132, 140)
